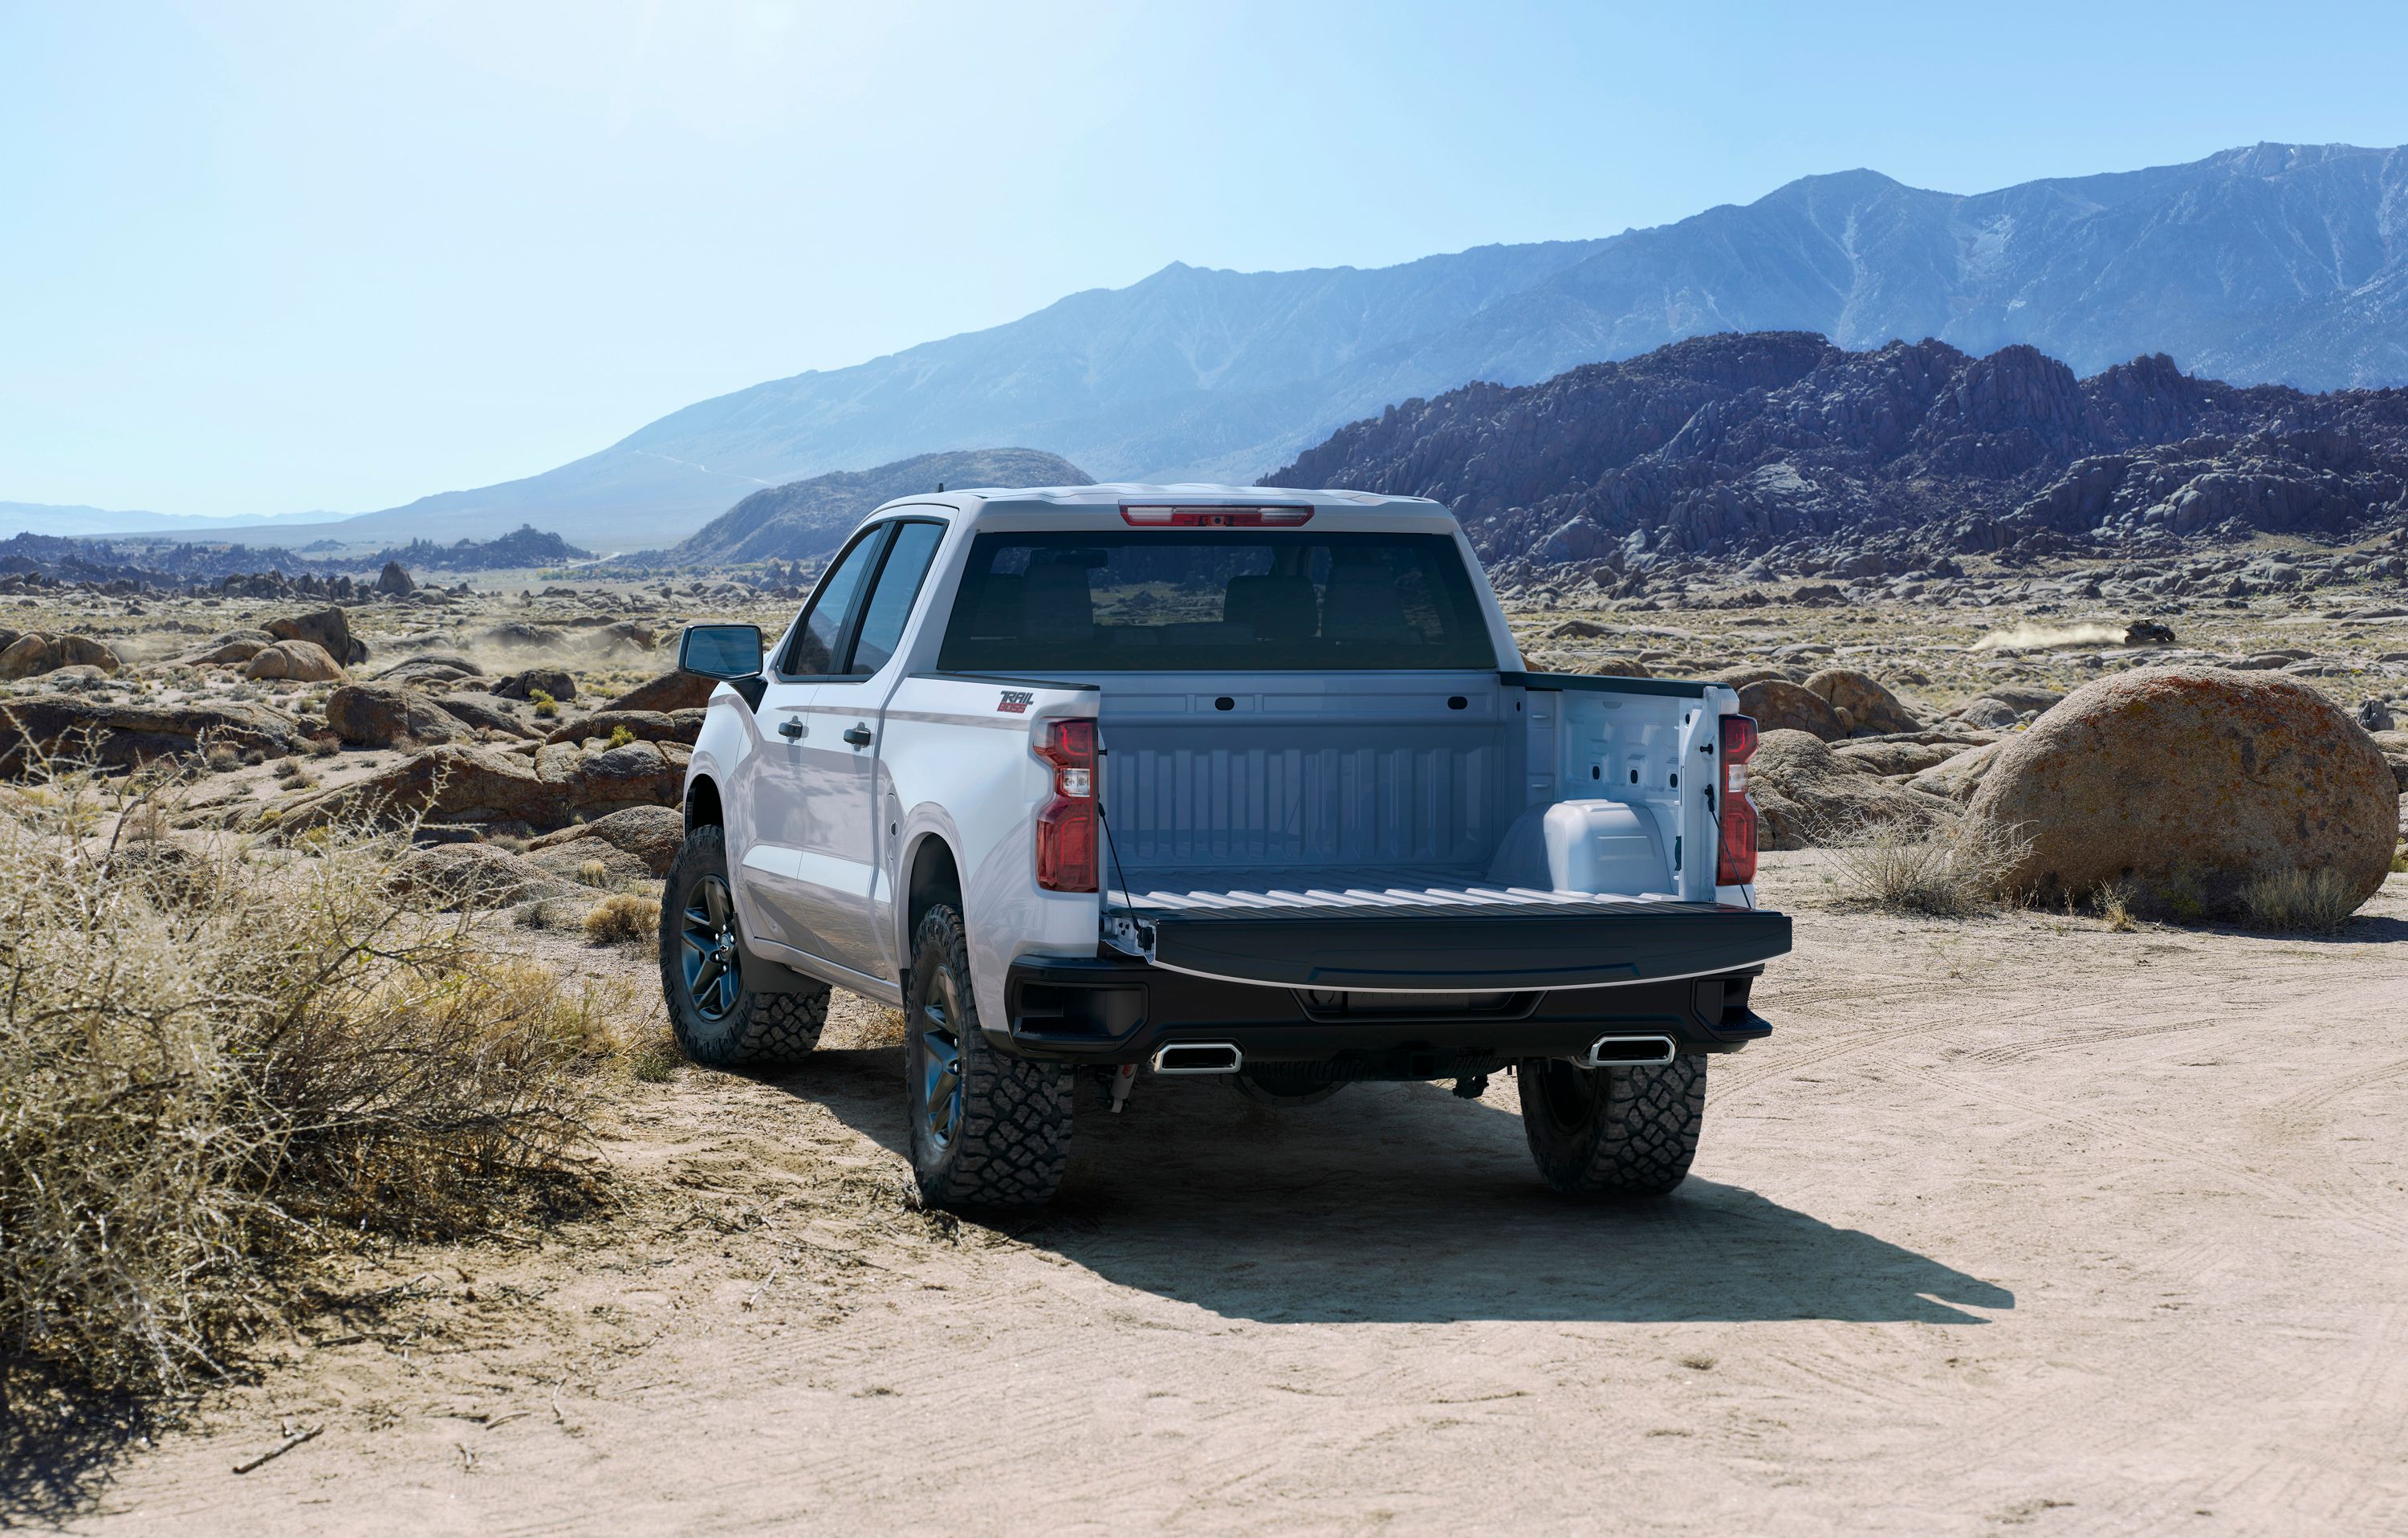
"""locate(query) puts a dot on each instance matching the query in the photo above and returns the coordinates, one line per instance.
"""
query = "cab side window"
(890, 601)
(811, 652)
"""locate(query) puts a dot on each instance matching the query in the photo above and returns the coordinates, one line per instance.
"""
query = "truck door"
(777, 899)
(842, 777)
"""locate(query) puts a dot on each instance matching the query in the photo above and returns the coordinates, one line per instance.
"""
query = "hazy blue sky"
(265, 257)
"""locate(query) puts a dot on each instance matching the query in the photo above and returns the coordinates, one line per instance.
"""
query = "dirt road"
(2015, 1225)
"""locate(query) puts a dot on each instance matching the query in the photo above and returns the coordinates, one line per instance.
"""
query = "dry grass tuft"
(593, 874)
(1953, 870)
(219, 1058)
(623, 919)
(2297, 901)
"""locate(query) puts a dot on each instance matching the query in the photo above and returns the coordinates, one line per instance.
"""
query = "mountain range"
(806, 520)
(2272, 264)
(1886, 458)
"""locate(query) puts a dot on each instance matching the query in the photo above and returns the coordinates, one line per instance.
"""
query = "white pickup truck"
(1113, 780)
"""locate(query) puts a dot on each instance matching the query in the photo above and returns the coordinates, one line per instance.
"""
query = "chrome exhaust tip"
(1628, 1052)
(1198, 1057)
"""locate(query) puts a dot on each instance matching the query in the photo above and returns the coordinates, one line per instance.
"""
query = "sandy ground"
(2014, 1225)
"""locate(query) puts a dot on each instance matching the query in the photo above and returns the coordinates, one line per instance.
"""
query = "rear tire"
(987, 1129)
(717, 1023)
(1613, 1132)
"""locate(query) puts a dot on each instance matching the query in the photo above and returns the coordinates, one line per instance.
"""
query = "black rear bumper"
(1110, 1009)
(1507, 946)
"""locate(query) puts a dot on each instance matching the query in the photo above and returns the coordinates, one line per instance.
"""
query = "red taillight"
(1162, 515)
(1066, 826)
(1736, 865)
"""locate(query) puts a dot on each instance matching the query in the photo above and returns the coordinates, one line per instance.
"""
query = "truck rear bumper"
(1110, 1009)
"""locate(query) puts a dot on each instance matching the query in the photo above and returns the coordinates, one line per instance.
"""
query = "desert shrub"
(324, 747)
(623, 919)
(217, 1063)
(621, 736)
(1952, 869)
(222, 759)
(593, 874)
(2297, 901)
(545, 705)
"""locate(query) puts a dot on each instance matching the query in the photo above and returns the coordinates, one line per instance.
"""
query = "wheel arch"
(935, 876)
(703, 806)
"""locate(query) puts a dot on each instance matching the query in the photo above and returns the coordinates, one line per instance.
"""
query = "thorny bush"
(221, 1056)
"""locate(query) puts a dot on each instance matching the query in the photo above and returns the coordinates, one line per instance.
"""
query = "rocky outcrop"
(650, 833)
(35, 654)
(473, 875)
(1873, 461)
(386, 716)
(645, 725)
(431, 669)
(559, 682)
(1779, 704)
(480, 712)
(1959, 775)
(120, 736)
(668, 692)
(329, 627)
(460, 782)
(1807, 795)
(393, 581)
(293, 662)
(2191, 780)
(1861, 703)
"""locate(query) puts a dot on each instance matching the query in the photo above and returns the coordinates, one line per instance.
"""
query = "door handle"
(791, 728)
(857, 734)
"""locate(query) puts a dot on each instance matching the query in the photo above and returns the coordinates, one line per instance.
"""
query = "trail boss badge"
(1015, 701)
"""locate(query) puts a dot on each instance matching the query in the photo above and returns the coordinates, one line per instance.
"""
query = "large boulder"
(483, 713)
(460, 782)
(1959, 776)
(35, 654)
(644, 726)
(435, 669)
(559, 682)
(473, 875)
(455, 783)
(1808, 794)
(386, 716)
(1779, 704)
(395, 580)
(2191, 779)
(293, 662)
(638, 774)
(650, 833)
(224, 651)
(668, 692)
(329, 627)
(120, 736)
(1862, 702)
(1891, 757)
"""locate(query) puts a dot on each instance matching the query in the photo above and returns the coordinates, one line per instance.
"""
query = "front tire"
(1613, 1132)
(987, 1130)
(717, 1023)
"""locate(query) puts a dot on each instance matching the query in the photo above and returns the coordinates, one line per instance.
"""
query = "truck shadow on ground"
(1398, 1202)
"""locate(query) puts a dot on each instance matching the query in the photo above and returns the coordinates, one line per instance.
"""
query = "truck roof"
(1108, 497)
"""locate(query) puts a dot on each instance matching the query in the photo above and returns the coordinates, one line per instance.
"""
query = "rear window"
(1163, 600)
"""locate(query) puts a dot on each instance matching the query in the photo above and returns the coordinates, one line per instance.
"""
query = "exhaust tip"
(1199, 1058)
(1628, 1052)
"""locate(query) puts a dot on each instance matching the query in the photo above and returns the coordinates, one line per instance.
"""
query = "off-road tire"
(1613, 1132)
(757, 1029)
(1010, 1138)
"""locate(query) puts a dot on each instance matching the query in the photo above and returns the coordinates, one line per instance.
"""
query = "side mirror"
(726, 652)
